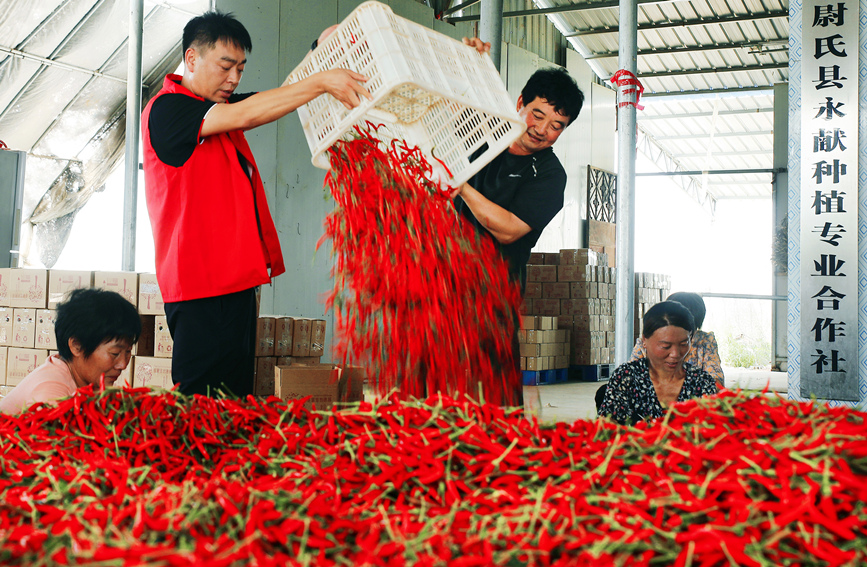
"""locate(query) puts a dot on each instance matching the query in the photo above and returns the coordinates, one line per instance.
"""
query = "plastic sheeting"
(63, 67)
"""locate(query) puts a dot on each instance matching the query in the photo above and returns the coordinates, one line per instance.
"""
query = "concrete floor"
(571, 401)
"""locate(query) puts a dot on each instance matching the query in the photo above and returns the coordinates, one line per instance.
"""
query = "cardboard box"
(549, 349)
(4, 353)
(304, 360)
(551, 258)
(163, 343)
(125, 378)
(61, 282)
(326, 384)
(45, 337)
(580, 290)
(533, 290)
(24, 328)
(578, 256)
(263, 381)
(536, 258)
(28, 288)
(152, 372)
(7, 324)
(318, 382)
(124, 283)
(555, 290)
(548, 307)
(528, 322)
(573, 273)
(301, 337)
(283, 338)
(530, 349)
(265, 327)
(575, 307)
(317, 337)
(150, 298)
(22, 361)
(542, 273)
(5, 283)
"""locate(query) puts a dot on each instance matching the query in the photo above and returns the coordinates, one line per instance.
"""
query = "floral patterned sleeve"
(620, 395)
(711, 362)
(637, 351)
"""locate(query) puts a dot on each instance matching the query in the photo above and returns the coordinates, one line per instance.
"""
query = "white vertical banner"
(829, 200)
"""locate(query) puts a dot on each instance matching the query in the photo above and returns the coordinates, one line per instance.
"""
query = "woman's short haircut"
(667, 313)
(93, 316)
(206, 30)
(558, 88)
(693, 302)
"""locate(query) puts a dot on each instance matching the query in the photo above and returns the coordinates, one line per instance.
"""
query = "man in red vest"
(214, 237)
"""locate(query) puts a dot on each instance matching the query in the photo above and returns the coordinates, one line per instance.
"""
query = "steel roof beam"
(700, 114)
(709, 172)
(686, 23)
(701, 93)
(680, 49)
(715, 154)
(648, 146)
(680, 72)
(716, 135)
(544, 11)
(458, 8)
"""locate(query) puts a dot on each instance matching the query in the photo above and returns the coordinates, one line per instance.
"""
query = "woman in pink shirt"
(95, 332)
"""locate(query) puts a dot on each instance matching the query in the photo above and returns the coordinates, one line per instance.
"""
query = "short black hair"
(93, 316)
(693, 302)
(667, 313)
(558, 88)
(209, 28)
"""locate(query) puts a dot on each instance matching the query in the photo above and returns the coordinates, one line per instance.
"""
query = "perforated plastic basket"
(428, 89)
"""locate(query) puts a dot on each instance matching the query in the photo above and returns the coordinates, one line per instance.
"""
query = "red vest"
(203, 216)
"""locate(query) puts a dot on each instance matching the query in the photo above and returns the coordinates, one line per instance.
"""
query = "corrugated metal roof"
(692, 57)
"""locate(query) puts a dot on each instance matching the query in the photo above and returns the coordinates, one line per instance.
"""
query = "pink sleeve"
(48, 392)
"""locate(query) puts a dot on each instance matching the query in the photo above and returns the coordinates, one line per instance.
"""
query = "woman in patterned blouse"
(644, 388)
(704, 353)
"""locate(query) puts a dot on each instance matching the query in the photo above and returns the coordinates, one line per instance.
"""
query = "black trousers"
(214, 344)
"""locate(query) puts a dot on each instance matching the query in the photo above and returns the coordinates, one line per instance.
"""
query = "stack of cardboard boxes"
(543, 347)
(28, 298)
(650, 289)
(284, 341)
(27, 301)
(576, 286)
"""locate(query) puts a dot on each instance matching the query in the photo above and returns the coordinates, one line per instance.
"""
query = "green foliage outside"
(742, 351)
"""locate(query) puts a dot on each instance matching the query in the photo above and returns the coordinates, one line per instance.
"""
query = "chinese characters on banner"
(829, 200)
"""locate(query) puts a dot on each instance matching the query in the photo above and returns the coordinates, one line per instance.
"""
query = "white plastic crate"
(428, 89)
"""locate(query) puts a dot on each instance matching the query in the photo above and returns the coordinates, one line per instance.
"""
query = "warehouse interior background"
(714, 122)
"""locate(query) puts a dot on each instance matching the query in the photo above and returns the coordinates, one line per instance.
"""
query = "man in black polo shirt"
(515, 196)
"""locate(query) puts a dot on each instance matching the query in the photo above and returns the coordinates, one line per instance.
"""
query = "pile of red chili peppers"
(138, 477)
(421, 301)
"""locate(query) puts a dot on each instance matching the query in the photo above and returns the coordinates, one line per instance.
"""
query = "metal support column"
(491, 27)
(780, 192)
(625, 214)
(133, 121)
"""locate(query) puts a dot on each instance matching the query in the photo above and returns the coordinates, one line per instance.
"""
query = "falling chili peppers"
(421, 301)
